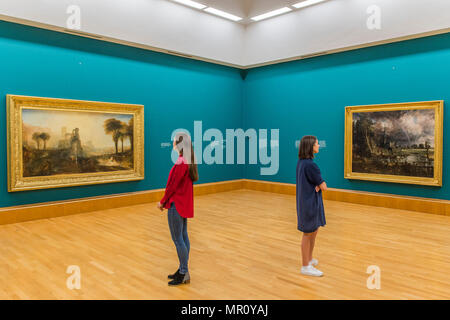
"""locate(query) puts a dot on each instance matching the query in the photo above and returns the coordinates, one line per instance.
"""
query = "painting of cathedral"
(64, 141)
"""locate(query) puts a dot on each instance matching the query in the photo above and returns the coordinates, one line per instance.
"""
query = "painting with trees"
(60, 142)
(70, 142)
(396, 142)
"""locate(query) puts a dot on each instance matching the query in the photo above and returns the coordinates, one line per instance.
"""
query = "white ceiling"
(166, 26)
(247, 8)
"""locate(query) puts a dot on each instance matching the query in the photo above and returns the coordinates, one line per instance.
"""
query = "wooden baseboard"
(267, 186)
(63, 208)
(426, 205)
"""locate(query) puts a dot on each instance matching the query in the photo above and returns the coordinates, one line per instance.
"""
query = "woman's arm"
(315, 177)
(175, 177)
(313, 174)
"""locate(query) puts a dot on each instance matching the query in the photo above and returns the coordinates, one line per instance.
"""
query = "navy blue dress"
(310, 213)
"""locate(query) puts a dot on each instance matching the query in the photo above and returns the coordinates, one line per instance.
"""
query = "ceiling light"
(271, 14)
(306, 3)
(222, 14)
(191, 4)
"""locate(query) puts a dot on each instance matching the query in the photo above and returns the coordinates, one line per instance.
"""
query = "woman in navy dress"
(310, 212)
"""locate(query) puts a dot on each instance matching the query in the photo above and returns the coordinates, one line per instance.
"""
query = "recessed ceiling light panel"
(222, 14)
(306, 3)
(271, 14)
(192, 4)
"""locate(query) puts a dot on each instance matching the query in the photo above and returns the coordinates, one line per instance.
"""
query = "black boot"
(180, 278)
(172, 276)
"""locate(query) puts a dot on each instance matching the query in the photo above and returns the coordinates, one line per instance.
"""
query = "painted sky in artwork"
(407, 126)
(89, 123)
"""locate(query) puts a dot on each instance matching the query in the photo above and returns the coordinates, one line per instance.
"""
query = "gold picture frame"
(395, 153)
(75, 110)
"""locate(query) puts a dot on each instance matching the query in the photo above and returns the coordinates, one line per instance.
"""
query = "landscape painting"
(395, 143)
(62, 142)
(57, 142)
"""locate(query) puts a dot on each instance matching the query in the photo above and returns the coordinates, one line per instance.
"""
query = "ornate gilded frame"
(437, 106)
(16, 181)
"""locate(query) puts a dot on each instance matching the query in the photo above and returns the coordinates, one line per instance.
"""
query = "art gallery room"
(252, 150)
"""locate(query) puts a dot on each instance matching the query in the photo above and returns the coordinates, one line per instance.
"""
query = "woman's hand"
(322, 186)
(160, 206)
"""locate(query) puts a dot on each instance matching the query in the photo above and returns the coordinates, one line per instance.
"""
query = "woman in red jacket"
(179, 199)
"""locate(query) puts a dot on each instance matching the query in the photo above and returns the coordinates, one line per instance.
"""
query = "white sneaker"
(311, 271)
(314, 262)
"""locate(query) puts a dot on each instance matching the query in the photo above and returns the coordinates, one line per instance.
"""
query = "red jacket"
(180, 189)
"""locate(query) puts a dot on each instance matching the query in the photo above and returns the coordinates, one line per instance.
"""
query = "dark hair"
(183, 142)
(306, 147)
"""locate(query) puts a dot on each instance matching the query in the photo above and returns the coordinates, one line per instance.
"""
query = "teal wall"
(175, 92)
(309, 96)
(299, 98)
